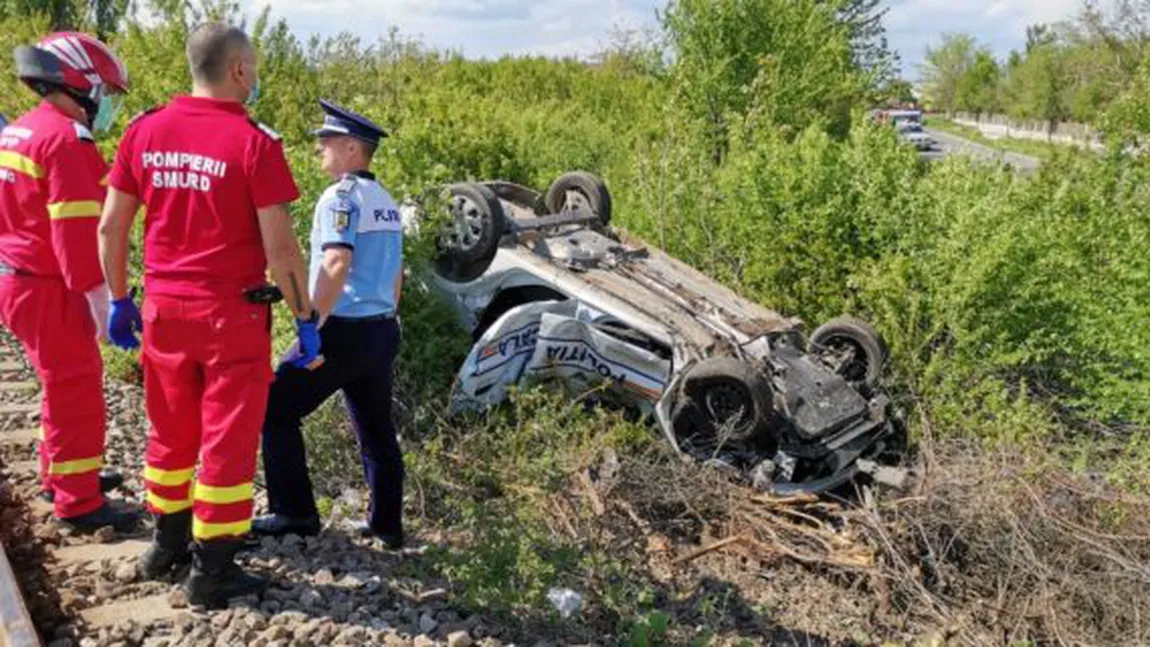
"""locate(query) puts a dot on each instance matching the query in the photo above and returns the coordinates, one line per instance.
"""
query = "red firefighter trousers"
(207, 367)
(55, 327)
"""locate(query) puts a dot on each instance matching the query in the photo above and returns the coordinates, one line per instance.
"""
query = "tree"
(897, 92)
(631, 51)
(101, 16)
(872, 53)
(1038, 85)
(1128, 119)
(790, 62)
(944, 68)
(1038, 35)
(978, 89)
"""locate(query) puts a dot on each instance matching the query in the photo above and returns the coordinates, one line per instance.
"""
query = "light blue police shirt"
(358, 213)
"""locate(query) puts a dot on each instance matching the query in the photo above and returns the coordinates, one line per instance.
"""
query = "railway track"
(77, 587)
(59, 590)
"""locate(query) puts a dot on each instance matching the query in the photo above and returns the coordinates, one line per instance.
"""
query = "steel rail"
(16, 629)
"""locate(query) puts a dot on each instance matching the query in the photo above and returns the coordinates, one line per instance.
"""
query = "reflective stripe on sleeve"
(17, 162)
(224, 495)
(78, 209)
(80, 466)
(208, 530)
(168, 477)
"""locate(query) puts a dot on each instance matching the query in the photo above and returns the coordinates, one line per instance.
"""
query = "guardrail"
(16, 629)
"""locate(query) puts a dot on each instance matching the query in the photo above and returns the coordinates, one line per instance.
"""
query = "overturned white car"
(550, 290)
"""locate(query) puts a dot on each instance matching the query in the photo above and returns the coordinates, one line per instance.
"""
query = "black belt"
(368, 319)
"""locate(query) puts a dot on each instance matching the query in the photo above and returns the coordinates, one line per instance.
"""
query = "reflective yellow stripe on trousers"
(168, 506)
(80, 466)
(224, 495)
(170, 478)
(208, 530)
(214, 495)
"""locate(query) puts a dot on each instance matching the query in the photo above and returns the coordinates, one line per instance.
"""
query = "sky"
(490, 28)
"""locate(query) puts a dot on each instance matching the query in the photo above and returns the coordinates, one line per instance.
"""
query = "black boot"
(392, 540)
(109, 480)
(120, 519)
(216, 578)
(169, 552)
(278, 525)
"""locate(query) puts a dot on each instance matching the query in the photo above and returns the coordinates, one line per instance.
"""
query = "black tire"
(853, 347)
(580, 189)
(714, 391)
(469, 241)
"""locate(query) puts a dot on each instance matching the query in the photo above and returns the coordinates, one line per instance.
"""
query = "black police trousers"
(359, 359)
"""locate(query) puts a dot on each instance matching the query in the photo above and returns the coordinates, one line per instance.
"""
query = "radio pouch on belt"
(264, 294)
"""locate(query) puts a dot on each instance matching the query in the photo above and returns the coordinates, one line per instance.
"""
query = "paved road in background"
(950, 145)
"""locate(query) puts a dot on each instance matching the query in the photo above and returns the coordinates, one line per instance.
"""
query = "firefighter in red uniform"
(216, 186)
(51, 192)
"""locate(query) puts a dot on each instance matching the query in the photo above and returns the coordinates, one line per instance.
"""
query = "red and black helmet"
(74, 60)
(76, 63)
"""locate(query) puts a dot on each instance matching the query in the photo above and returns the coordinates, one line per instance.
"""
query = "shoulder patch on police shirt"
(340, 209)
(346, 184)
(266, 129)
(340, 213)
(82, 132)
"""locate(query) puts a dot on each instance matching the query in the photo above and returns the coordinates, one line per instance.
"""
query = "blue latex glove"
(124, 322)
(307, 342)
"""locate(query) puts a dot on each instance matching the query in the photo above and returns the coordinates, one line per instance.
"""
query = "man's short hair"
(210, 48)
(367, 147)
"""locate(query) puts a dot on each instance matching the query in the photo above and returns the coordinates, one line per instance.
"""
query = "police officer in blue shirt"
(355, 278)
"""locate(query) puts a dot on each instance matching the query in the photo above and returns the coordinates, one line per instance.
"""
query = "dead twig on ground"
(719, 545)
(592, 494)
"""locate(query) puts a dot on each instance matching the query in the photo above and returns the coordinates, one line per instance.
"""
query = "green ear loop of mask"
(254, 93)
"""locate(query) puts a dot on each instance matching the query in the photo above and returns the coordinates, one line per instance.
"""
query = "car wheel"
(468, 241)
(723, 400)
(580, 190)
(853, 349)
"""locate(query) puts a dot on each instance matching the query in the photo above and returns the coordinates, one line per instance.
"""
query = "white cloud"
(490, 28)
(997, 8)
(480, 28)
